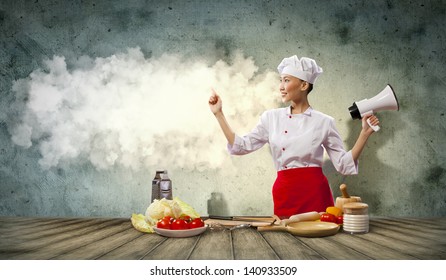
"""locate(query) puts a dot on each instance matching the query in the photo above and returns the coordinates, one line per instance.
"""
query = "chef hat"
(305, 68)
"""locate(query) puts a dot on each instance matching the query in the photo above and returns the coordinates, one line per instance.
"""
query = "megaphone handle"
(374, 127)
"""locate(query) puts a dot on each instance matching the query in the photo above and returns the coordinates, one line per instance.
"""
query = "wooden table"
(29, 238)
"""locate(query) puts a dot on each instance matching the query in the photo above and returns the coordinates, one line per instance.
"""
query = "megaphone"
(385, 100)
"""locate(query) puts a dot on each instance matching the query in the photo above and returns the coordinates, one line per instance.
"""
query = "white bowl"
(180, 233)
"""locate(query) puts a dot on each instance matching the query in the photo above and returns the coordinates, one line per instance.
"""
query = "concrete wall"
(67, 149)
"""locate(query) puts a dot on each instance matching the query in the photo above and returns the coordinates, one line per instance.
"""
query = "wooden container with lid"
(356, 208)
(345, 198)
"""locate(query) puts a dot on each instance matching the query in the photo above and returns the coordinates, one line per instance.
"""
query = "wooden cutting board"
(253, 221)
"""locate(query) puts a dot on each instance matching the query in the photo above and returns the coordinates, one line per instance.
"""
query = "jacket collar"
(307, 112)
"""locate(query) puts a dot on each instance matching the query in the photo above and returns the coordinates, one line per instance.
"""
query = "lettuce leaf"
(186, 209)
(139, 223)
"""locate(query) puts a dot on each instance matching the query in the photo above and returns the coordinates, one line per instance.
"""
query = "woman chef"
(297, 136)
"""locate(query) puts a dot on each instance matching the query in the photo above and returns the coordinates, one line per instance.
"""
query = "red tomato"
(327, 217)
(167, 219)
(340, 220)
(186, 218)
(162, 223)
(179, 224)
(196, 223)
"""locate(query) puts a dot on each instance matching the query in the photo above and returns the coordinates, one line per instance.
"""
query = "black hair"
(310, 88)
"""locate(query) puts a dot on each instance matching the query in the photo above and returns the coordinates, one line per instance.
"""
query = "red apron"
(300, 190)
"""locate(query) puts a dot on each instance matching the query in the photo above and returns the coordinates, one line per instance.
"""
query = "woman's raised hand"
(215, 103)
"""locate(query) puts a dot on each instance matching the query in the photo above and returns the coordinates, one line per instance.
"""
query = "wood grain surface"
(28, 238)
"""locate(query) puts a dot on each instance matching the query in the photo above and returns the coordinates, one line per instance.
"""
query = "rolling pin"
(346, 198)
(282, 226)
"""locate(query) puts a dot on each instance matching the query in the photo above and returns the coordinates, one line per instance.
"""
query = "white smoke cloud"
(136, 112)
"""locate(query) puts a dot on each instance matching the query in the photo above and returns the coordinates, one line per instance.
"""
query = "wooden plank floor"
(28, 238)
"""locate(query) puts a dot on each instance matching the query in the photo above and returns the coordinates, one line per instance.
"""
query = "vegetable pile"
(183, 222)
(333, 215)
(166, 209)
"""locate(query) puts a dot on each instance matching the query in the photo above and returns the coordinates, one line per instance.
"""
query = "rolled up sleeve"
(341, 159)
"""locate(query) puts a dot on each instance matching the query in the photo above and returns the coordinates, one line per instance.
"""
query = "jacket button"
(286, 131)
(283, 149)
(290, 117)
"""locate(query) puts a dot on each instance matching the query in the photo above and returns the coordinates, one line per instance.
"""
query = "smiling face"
(293, 89)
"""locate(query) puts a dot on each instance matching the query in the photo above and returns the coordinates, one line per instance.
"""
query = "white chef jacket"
(297, 140)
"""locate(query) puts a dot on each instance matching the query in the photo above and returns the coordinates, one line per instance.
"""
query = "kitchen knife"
(267, 219)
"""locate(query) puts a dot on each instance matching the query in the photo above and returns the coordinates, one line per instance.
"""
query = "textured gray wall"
(362, 46)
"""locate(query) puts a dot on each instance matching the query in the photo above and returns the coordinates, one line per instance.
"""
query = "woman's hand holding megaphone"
(370, 123)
